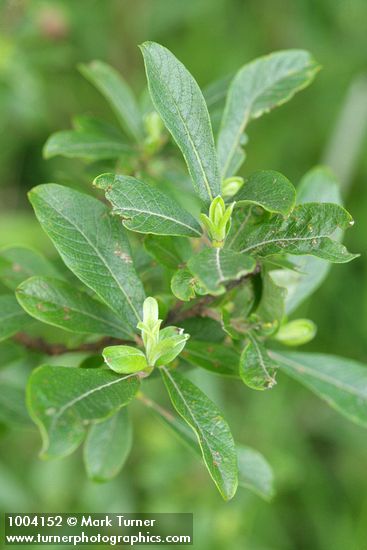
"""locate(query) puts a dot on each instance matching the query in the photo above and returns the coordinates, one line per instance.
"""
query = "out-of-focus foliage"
(320, 477)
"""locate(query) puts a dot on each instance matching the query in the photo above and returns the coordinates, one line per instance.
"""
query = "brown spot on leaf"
(16, 268)
(123, 255)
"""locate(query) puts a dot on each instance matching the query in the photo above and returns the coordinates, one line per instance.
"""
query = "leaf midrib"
(246, 116)
(218, 266)
(284, 239)
(156, 214)
(71, 403)
(73, 224)
(198, 158)
(74, 309)
(261, 359)
(300, 368)
(196, 424)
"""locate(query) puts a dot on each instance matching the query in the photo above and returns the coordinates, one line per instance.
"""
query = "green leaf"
(296, 332)
(124, 359)
(268, 189)
(183, 285)
(12, 317)
(18, 263)
(180, 103)
(172, 341)
(341, 382)
(203, 328)
(62, 401)
(62, 305)
(118, 94)
(318, 185)
(271, 306)
(256, 89)
(215, 266)
(146, 209)
(306, 231)
(257, 368)
(91, 146)
(213, 357)
(244, 217)
(107, 446)
(255, 473)
(92, 245)
(212, 431)
(168, 251)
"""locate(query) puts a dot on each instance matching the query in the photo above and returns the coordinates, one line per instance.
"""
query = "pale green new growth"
(218, 222)
(161, 346)
(297, 332)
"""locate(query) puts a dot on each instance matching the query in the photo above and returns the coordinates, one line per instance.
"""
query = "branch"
(177, 314)
(38, 344)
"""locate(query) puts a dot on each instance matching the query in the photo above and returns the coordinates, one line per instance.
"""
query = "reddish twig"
(199, 309)
(40, 345)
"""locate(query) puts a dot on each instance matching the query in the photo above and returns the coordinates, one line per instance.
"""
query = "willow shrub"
(171, 271)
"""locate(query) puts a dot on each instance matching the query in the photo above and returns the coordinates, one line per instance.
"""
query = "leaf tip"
(103, 181)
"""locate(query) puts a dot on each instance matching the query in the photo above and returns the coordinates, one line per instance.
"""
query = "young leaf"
(213, 357)
(145, 209)
(19, 263)
(91, 146)
(92, 245)
(183, 285)
(215, 266)
(256, 89)
(172, 341)
(12, 317)
(320, 185)
(257, 368)
(180, 103)
(212, 431)
(168, 251)
(62, 305)
(268, 189)
(341, 382)
(118, 94)
(306, 231)
(62, 401)
(296, 332)
(255, 473)
(107, 446)
(124, 359)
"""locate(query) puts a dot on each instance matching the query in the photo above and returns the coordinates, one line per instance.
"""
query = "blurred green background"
(318, 457)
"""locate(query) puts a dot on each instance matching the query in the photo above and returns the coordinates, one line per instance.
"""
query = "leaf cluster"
(177, 270)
